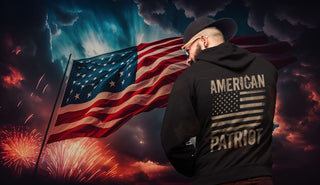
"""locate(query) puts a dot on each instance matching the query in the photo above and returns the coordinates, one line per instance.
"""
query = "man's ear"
(204, 39)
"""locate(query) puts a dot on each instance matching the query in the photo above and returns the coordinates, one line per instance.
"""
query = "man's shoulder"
(189, 74)
(265, 63)
(191, 71)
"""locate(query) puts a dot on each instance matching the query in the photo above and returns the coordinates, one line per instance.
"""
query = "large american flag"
(105, 91)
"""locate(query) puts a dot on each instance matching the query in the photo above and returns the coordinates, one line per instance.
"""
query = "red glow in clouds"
(13, 79)
(152, 169)
(293, 130)
(131, 170)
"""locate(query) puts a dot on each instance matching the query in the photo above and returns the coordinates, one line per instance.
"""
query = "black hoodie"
(227, 101)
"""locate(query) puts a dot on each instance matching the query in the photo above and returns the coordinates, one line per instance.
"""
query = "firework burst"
(84, 160)
(20, 147)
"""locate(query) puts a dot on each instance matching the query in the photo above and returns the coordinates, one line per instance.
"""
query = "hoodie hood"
(227, 55)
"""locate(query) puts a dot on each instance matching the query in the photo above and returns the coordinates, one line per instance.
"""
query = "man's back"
(227, 100)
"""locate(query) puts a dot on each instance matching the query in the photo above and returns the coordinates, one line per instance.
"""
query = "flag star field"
(111, 72)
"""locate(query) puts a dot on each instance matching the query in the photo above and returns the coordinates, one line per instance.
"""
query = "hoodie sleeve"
(179, 125)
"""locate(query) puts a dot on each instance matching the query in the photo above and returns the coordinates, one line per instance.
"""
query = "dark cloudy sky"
(36, 38)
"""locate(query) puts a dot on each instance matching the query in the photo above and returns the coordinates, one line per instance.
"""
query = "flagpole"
(50, 120)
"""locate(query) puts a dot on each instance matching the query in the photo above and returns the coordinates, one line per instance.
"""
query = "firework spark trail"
(19, 148)
(79, 160)
(28, 118)
(19, 103)
(45, 88)
(40, 80)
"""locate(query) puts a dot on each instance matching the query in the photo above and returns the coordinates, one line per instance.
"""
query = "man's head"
(205, 32)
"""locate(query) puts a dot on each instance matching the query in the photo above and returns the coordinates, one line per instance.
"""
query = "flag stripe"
(242, 106)
(165, 42)
(252, 98)
(238, 120)
(281, 62)
(250, 40)
(274, 48)
(237, 114)
(156, 68)
(86, 130)
(153, 50)
(252, 92)
(102, 112)
(89, 130)
(229, 129)
(149, 58)
(108, 120)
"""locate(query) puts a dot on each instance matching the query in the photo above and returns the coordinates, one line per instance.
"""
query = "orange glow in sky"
(13, 79)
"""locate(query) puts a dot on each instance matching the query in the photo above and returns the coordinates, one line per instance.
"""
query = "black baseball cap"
(227, 26)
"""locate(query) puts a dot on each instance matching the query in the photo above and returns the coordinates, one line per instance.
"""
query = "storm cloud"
(298, 103)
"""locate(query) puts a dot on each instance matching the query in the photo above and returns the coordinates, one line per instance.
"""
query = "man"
(226, 100)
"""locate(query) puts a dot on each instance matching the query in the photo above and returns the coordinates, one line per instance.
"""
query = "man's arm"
(179, 125)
